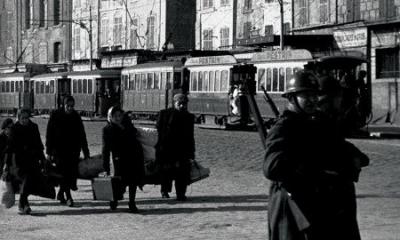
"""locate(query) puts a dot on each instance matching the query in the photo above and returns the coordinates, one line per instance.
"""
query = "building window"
(246, 29)
(224, 36)
(57, 52)
(10, 55)
(323, 11)
(28, 14)
(286, 28)
(43, 52)
(353, 10)
(208, 4)
(57, 12)
(387, 8)
(77, 42)
(10, 24)
(28, 58)
(133, 34)
(207, 39)
(303, 12)
(269, 30)
(387, 63)
(150, 32)
(105, 35)
(224, 2)
(41, 13)
(248, 4)
(117, 31)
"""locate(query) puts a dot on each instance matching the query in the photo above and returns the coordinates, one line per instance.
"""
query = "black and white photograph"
(200, 119)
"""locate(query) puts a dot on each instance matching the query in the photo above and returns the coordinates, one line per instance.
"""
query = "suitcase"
(198, 172)
(107, 188)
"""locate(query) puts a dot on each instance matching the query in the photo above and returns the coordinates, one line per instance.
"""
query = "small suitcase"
(107, 188)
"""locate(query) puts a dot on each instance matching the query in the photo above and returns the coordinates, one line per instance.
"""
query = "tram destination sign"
(285, 55)
(211, 60)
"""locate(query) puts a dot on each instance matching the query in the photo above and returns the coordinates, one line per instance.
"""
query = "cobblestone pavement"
(230, 204)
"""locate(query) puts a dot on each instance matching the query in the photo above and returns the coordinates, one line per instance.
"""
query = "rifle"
(270, 102)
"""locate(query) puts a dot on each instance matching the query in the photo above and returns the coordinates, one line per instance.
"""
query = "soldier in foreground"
(308, 165)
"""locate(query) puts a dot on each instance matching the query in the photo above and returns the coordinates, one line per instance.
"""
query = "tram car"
(49, 90)
(95, 91)
(15, 92)
(149, 87)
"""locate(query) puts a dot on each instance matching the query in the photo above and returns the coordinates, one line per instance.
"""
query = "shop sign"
(115, 62)
(351, 37)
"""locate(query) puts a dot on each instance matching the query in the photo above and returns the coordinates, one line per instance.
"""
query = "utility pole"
(90, 38)
(282, 24)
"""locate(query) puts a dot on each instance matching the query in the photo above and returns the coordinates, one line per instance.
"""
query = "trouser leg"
(132, 196)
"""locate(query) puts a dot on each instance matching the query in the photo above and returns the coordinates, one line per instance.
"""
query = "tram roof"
(211, 60)
(51, 75)
(155, 64)
(15, 75)
(98, 72)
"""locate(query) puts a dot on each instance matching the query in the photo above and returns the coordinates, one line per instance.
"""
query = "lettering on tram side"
(211, 60)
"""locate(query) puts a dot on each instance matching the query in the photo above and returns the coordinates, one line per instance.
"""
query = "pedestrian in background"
(119, 139)
(6, 126)
(65, 139)
(25, 143)
(175, 147)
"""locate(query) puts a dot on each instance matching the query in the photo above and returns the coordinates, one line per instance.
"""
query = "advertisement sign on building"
(350, 38)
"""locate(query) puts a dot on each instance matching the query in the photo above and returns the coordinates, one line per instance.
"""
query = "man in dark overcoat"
(65, 139)
(175, 146)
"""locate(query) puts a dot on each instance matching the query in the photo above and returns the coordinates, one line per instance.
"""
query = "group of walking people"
(22, 158)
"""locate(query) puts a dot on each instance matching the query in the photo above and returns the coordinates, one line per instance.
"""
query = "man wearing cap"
(175, 146)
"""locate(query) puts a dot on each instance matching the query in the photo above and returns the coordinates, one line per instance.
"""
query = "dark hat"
(180, 97)
(301, 81)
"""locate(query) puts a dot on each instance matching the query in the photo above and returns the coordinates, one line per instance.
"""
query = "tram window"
(7, 86)
(131, 81)
(137, 81)
(21, 85)
(205, 82)
(37, 87)
(281, 84)
(261, 78)
(17, 86)
(124, 81)
(143, 81)
(224, 80)
(12, 86)
(200, 82)
(79, 85)
(75, 86)
(163, 80)
(289, 75)
(90, 86)
(157, 80)
(212, 81)
(51, 86)
(47, 87)
(193, 82)
(274, 80)
(177, 80)
(169, 78)
(217, 85)
(295, 70)
(150, 80)
(85, 86)
(41, 87)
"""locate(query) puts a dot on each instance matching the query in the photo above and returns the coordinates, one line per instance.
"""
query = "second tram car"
(15, 92)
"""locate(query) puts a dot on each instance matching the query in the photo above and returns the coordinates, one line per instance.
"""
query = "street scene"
(205, 119)
(230, 204)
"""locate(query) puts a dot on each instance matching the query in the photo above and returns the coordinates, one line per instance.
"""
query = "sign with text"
(211, 60)
(351, 37)
(285, 55)
(122, 61)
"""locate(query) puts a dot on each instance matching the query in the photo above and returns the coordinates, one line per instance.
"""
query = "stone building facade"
(39, 32)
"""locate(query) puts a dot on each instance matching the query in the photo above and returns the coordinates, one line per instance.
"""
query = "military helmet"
(302, 81)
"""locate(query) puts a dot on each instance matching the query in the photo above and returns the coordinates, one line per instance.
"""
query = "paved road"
(230, 204)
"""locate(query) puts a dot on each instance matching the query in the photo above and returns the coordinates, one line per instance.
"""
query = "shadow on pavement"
(210, 199)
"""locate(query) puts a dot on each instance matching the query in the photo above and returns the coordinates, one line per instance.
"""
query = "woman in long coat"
(6, 126)
(26, 144)
(119, 138)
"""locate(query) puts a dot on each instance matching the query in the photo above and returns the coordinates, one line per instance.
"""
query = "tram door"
(63, 89)
(27, 95)
(107, 95)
